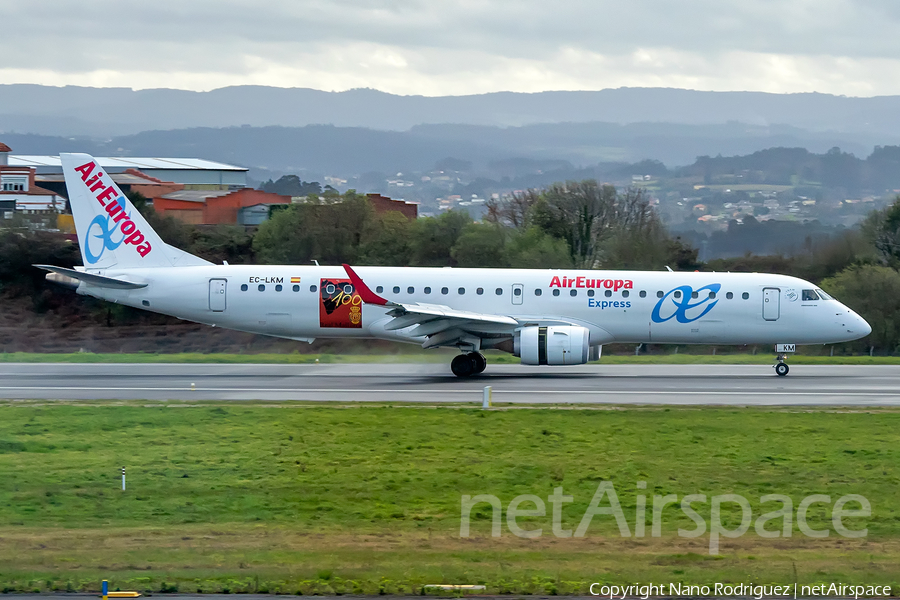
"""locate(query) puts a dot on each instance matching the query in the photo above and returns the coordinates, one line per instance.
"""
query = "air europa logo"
(680, 304)
(584, 282)
(116, 221)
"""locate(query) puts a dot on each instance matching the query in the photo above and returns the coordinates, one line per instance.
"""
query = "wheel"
(782, 369)
(462, 365)
(479, 361)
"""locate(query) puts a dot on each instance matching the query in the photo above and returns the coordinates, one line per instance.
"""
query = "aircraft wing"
(442, 325)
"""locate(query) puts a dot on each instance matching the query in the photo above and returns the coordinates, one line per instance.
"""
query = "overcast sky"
(455, 47)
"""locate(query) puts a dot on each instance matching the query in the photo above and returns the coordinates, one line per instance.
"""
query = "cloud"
(458, 46)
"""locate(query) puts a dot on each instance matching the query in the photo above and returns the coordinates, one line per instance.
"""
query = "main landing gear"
(781, 368)
(466, 365)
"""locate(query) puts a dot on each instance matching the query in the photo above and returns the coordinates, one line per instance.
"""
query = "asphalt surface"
(432, 383)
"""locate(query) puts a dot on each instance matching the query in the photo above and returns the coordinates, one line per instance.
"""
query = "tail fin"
(110, 230)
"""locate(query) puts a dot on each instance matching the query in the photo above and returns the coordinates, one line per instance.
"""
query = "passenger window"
(608, 293)
(499, 291)
(445, 291)
(410, 290)
(296, 288)
(348, 289)
(590, 293)
(312, 288)
(676, 294)
(396, 289)
(809, 295)
(643, 294)
(379, 289)
(461, 291)
(479, 291)
(262, 288)
(556, 291)
(712, 295)
(729, 295)
(517, 292)
(624, 293)
(745, 296)
(573, 293)
(278, 288)
(659, 294)
(695, 295)
(537, 292)
(244, 287)
(427, 290)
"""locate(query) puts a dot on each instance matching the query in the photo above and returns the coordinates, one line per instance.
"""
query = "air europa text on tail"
(108, 198)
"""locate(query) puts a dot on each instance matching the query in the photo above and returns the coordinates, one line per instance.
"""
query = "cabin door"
(771, 304)
(217, 295)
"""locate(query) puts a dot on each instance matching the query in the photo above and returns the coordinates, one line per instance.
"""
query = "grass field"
(341, 499)
(436, 356)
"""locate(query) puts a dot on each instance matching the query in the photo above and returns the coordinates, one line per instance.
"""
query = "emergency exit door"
(217, 295)
(518, 293)
(771, 304)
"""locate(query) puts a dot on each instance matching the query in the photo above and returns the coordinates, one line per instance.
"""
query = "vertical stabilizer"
(111, 231)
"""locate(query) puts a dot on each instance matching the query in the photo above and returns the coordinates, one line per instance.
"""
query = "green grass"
(435, 356)
(305, 498)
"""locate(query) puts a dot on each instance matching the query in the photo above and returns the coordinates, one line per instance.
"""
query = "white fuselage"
(615, 306)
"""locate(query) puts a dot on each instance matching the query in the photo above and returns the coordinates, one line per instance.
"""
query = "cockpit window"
(823, 295)
(809, 295)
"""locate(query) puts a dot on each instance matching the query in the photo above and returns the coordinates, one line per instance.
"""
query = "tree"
(433, 239)
(581, 212)
(387, 241)
(532, 248)
(513, 211)
(291, 185)
(222, 243)
(480, 245)
(330, 233)
(884, 227)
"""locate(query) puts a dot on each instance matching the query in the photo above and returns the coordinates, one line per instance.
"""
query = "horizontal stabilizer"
(91, 279)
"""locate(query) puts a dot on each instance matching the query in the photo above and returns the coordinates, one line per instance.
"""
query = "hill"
(106, 112)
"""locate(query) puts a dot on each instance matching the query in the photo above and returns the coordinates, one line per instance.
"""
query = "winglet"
(367, 295)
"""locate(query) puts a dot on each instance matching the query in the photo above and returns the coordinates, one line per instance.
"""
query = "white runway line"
(473, 391)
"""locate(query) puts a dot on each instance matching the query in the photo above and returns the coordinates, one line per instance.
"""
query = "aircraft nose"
(864, 328)
(857, 325)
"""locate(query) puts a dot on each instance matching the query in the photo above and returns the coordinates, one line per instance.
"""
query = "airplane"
(544, 317)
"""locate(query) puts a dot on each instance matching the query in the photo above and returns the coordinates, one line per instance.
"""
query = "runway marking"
(465, 391)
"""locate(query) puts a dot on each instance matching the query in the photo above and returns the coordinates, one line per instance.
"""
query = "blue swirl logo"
(102, 229)
(678, 303)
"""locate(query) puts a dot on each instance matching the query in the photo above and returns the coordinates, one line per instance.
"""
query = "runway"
(737, 385)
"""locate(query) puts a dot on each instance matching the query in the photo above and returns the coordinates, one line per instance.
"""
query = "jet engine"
(557, 345)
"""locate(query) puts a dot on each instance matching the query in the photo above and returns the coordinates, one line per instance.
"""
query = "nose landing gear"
(781, 368)
(466, 365)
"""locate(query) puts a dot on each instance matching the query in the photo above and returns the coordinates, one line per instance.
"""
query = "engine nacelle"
(557, 345)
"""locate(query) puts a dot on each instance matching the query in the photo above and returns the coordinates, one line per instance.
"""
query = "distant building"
(199, 207)
(192, 173)
(20, 193)
(383, 204)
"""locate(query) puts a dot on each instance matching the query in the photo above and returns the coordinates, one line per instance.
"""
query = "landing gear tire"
(479, 361)
(781, 369)
(466, 365)
(463, 366)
